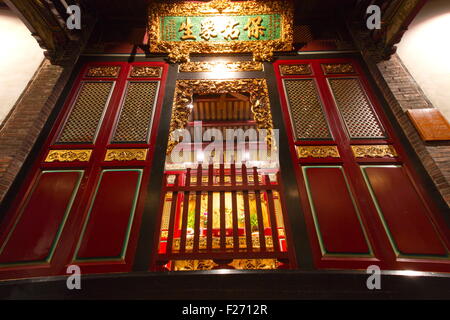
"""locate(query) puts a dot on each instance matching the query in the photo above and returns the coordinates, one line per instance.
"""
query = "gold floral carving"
(219, 5)
(317, 152)
(126, 154)
(337, 68)
(103, 72)
(145, 72)
(179, 51)
(240, 264)
(374, 151)
(239, 66)
(254, 264)
(185, 89)
(68, 155)
(295, 69)
(193, 265)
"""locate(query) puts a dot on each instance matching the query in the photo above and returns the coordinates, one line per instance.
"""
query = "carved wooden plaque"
(430, 123)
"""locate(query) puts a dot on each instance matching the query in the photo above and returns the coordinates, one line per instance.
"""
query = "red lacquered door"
(363, 201)
(82, 201)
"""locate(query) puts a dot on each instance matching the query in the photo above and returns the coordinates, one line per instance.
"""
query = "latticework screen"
(307, 115)
(355, 108)
(137, 113)
(87, 112)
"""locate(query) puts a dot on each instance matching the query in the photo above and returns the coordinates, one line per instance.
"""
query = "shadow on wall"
(425, 51)
(20, 57)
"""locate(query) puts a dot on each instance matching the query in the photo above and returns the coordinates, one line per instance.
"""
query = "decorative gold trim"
(68, 155)
(103, 72)
(374, 151)
(254, 264)
(146, 72)
(193, 265)
(338, 68)
(239, 66)
(185, 89)
(318, 152)
(239, 264)
(179, 51)
(126, 154)
(295, 69)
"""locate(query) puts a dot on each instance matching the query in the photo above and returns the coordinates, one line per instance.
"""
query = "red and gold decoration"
(103, 72)
(217, 66)
(374, 151)
(68, 155)
(317, 152)
(221, 26)
(295, 69)
(126, 154)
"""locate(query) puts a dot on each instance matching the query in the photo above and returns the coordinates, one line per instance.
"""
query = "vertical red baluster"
(172, 217)
(222, 210)
(198, 199)
(185, 212)
(272, 213)
(248, 227)
(210, 208)
(234, 208)
(262, 237)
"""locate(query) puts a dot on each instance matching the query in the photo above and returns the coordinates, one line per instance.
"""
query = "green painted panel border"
(316, 222)
(398, 253)
(61, 225)
(121, 257)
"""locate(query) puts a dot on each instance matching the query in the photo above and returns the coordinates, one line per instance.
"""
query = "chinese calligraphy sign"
(220, 28)
(259, 27)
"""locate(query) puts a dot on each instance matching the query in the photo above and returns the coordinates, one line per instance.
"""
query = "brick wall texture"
(27, 119)
(403, 93)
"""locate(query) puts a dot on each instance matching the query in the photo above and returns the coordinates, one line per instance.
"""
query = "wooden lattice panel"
(356, 109)
(86, 115)
(137, 113)
(308, 118)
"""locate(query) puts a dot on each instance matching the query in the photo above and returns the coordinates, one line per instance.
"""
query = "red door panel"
(335, 213)
(403, 212)
(335, 121)
(107, 229)
(88, 185)
(35, 233)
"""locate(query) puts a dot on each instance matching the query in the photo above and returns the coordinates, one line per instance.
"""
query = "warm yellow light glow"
(220, 68)
(410, 273)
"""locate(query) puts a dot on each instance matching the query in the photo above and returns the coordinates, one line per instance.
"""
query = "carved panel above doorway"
(221, 26)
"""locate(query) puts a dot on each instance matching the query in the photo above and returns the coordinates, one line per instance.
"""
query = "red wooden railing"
(223, 243)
